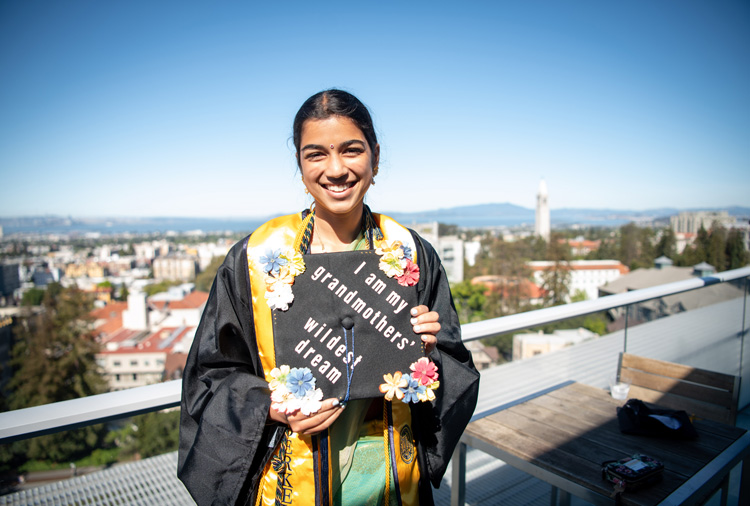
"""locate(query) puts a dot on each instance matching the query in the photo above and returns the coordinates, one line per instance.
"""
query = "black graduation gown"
(225, 436)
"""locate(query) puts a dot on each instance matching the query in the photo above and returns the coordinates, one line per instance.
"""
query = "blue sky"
(156, 108)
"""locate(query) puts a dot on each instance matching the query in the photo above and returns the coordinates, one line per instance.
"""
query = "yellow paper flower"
(295, 262)
(393, 384)
(429, 392)
(394, 248)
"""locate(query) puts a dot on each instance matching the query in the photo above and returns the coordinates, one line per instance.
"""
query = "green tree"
(667, 245)
(161, 286)
(716, 250)
(469, 300)
(736, 254)
(205, 279)
(696, 252)
(556, 279)
(53, 361)
(147, 435)
(32, 297)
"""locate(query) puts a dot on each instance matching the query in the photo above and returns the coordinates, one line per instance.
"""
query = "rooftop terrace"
(710, 337)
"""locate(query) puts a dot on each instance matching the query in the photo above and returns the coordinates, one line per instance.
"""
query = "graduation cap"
(349, 324)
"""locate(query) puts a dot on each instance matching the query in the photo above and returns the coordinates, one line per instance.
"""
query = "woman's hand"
(426, 323)
(317, 422)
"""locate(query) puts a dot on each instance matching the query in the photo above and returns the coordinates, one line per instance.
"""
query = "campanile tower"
(542, 224)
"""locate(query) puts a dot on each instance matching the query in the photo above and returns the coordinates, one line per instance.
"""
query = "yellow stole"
(291, 476)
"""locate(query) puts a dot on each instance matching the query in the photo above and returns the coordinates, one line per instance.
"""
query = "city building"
(581, 247)
(689, 222)
(586, 276)
(450, 249)
(144, 362)
(530, 344)
(146, 340)
(542, 223)
(519, 289)
(175, 267)
(10, 281)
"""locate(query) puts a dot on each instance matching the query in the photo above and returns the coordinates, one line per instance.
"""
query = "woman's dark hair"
(329, 103)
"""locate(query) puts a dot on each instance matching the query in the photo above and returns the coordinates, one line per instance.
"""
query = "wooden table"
(563, 434)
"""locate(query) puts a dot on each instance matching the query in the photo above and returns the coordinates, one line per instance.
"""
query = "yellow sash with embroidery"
(292, 475)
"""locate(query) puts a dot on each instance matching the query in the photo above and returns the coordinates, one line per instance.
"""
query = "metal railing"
(60, 416)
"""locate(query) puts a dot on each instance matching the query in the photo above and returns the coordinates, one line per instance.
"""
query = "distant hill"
(484, 215)
(480, 215)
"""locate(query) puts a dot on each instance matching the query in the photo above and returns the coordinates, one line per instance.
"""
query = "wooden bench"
(701, 393)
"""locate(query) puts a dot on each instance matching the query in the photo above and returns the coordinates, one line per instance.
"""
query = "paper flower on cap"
(393, 385)
(300, 381)
(429, 392)
(419, 386)
(272, 261)
(294, 390)
(311, 402)
(295, 262)
(396, 262)
(410, 275)
(280, 297)
(279, 375)
(424, 371)
(412, 390)
(280, 270)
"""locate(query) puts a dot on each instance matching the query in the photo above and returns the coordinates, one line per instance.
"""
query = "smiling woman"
(257, 432)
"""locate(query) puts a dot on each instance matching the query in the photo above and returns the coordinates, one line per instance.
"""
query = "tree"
(736, 254)
(53, 361)
(469, 300)
(147, 435)
(716, 250)
(556, 279)
(32, 297)
(205, 279)
(161, 286)
(667, 245)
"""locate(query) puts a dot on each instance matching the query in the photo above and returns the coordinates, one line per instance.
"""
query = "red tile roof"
(191, 301)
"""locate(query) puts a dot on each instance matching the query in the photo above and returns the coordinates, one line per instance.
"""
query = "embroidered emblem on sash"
(406, 446)
(281, 464)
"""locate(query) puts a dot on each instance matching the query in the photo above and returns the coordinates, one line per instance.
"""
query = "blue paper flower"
(407, 251)
(412, 390)
(300, 381)
(272, 261)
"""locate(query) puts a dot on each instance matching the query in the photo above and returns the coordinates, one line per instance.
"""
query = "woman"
(235, 447)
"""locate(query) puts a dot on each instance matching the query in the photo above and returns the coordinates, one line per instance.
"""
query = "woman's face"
(336, 164)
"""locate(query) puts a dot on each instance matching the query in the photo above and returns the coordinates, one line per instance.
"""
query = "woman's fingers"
(430, 342)
(328, 413)
(425, 322)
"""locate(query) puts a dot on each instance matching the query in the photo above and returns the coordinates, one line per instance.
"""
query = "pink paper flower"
(424, 371)
(410, 277)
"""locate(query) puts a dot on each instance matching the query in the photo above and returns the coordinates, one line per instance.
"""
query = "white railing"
(56, 417)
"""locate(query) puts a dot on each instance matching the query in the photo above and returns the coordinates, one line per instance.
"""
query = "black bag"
(635, 417)
(632, 473)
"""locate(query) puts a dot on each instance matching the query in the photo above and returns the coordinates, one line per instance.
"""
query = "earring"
(303, 182)
(374, 173)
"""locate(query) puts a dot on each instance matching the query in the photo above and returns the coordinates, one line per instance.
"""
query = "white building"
(585, 275)
(689, 222)
(146, 340)
(143, 363)
(450, 249)
(542, 223)
(530, 344)
(181, 268)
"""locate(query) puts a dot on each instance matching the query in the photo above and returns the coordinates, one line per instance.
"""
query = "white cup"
(619, 388)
